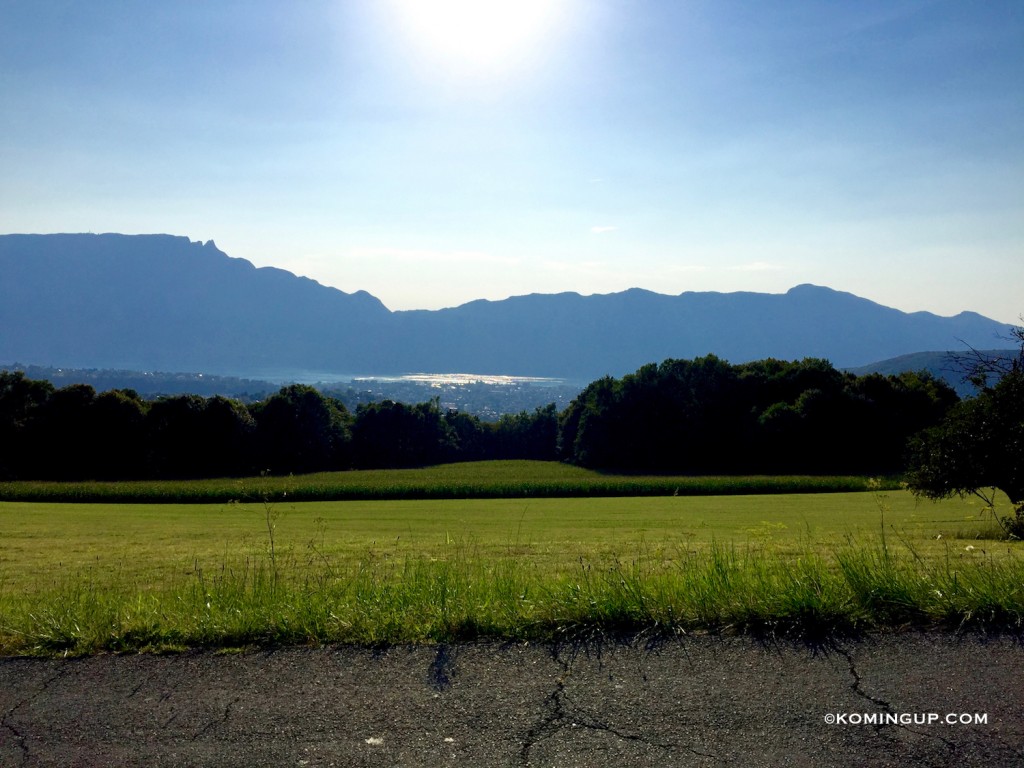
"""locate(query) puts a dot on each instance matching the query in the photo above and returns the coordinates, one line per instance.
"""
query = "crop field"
(89, 577)
(482, 479)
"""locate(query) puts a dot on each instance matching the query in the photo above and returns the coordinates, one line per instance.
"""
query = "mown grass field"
(83, 578)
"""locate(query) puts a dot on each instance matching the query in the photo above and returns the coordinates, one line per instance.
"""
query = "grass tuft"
(257, 601)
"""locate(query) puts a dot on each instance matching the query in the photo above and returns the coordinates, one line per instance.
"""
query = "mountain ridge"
(165, 302)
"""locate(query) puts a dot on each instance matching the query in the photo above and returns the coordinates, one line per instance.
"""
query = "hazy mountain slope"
(166, 303)
(617, 332)
(948, 366)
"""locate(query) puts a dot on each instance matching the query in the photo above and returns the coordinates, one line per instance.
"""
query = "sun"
(478, 37)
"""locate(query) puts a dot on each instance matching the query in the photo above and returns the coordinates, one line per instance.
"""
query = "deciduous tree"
(979, 447)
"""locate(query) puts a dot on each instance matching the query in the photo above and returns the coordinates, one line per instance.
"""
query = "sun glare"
(478, 37)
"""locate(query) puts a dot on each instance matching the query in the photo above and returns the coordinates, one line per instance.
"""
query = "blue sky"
(585, 145)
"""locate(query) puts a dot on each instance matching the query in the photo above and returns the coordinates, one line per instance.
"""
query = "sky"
(433, 152)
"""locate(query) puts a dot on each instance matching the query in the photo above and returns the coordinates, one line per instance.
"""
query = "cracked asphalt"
(695, 701)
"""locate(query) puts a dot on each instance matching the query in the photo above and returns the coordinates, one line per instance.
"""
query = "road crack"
(21, 739)
(559, 713)
(857, 687)
(225, 716)
(856, 684)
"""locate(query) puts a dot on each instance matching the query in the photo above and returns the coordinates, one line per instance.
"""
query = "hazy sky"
(436, 152)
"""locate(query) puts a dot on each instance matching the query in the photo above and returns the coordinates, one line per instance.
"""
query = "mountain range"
(162, 302)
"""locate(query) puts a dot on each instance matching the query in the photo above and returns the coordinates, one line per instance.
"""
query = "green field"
(481, 479)
(83, 578)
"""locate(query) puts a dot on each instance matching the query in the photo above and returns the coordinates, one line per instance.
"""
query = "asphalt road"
(696, 701)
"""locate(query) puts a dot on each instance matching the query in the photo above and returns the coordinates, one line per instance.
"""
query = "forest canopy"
(769, 416)
(682, 416)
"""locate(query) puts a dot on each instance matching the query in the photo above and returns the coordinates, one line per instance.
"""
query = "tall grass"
(306, 597)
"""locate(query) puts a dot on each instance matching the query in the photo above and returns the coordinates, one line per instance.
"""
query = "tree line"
(767, 417)
(75, 433)
(687, 416)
